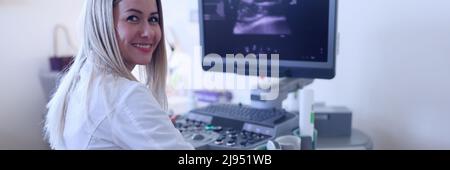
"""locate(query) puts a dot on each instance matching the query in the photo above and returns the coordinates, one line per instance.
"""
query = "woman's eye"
(153, 20)
(132, 19)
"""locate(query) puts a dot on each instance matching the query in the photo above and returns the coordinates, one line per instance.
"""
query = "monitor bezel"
(289, 68)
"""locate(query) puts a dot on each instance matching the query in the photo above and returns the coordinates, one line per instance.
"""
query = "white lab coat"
(119, 114)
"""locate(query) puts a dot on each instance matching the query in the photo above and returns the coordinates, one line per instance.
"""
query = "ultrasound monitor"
(301, 32)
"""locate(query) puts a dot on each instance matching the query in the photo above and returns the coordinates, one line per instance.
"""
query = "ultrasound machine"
(302, 33)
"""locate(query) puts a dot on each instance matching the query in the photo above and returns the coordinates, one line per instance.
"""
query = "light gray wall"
(25, 46)
(394, 71)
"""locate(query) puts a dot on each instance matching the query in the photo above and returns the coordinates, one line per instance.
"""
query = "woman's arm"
(140, 123)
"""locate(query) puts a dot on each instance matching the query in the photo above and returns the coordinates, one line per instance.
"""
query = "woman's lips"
(144, 47)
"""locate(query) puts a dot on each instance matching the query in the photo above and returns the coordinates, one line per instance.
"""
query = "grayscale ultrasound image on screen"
(297, 30)
(261, 17)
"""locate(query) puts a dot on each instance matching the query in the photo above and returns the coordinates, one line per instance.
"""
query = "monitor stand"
(284, 86)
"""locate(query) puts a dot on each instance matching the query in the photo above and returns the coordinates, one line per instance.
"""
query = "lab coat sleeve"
(140, 123)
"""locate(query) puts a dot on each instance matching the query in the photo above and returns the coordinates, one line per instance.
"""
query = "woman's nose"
(147, 31)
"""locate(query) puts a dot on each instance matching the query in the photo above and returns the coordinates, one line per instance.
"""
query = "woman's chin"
(143, 60)
(146, 62)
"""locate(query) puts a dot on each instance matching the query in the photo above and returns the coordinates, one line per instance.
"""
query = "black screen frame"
(293, 69)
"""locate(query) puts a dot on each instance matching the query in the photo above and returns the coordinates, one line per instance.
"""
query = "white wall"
(25, 46)
(394, 71)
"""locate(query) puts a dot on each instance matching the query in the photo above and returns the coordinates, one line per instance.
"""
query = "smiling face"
(138, 30)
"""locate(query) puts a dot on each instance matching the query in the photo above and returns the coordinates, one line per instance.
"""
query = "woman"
(99, 104)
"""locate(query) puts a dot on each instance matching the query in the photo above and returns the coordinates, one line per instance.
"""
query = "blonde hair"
(99, 41)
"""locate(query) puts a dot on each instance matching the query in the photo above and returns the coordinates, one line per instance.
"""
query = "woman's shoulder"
(109, 87)
(126, 89)
(105, 80)
(120, 86)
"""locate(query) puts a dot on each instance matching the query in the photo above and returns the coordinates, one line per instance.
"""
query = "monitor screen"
(302, 32)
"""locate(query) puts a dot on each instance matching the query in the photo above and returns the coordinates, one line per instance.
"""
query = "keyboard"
(241, 112)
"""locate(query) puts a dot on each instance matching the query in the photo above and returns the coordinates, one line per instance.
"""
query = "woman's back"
(110, 112)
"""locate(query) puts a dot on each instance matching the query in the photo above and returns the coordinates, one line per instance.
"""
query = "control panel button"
(198, 137)
(218, 142)
(231, 143)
